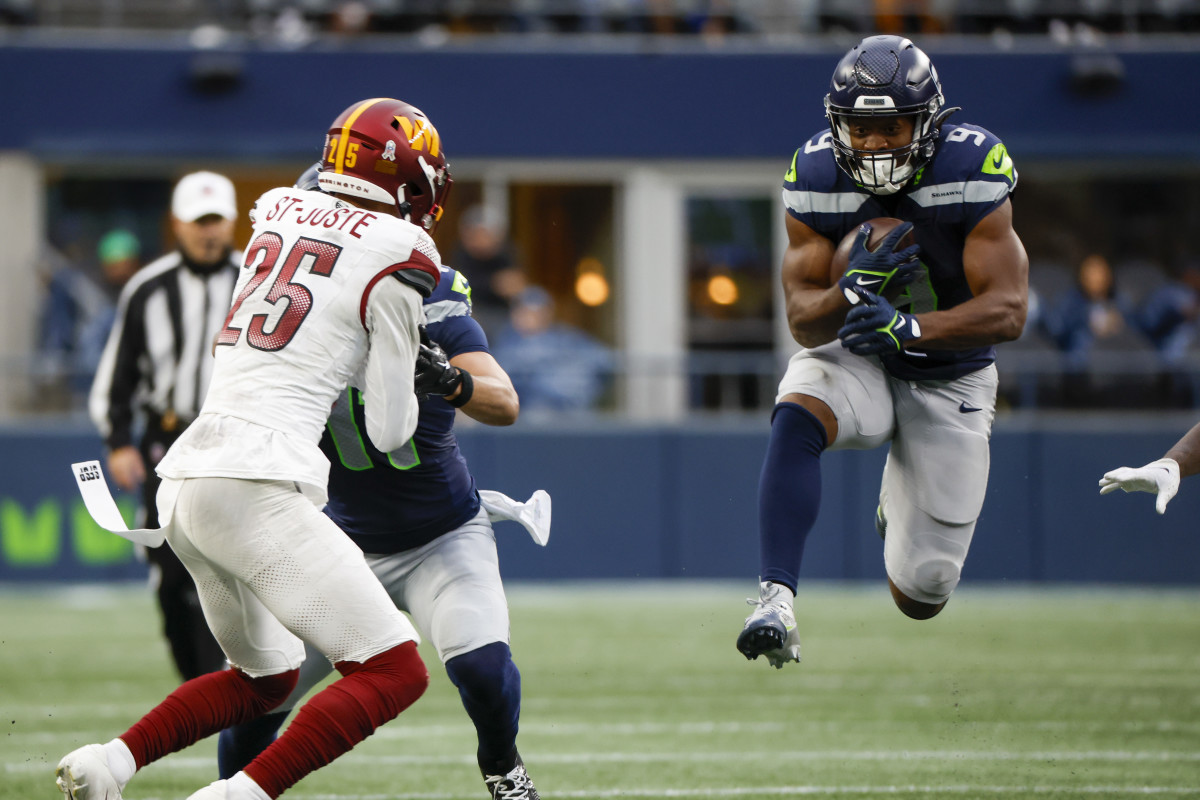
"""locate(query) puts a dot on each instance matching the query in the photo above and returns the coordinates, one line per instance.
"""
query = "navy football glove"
(435, 375)
(874, 327)
(883, 269)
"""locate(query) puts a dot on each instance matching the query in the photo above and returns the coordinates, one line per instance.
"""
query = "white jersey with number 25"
(326, 295)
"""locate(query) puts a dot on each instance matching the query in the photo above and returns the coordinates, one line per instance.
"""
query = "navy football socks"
(239, 745)
(789, 492)
(490, 686)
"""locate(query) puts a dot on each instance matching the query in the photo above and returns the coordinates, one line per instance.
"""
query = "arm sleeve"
(110, 402)
(393, 311)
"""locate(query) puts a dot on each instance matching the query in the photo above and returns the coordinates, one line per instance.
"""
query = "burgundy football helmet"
(386, 150)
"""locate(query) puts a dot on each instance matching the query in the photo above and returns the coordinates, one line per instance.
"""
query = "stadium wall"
(147, 98)
(655, 502)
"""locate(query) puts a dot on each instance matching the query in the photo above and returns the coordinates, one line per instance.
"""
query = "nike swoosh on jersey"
(966, 409)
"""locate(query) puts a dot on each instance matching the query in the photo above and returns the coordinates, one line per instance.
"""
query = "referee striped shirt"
(159, 353)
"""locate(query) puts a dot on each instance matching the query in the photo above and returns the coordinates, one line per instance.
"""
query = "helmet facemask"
(883, 172)
(885, 77)
(423, 202)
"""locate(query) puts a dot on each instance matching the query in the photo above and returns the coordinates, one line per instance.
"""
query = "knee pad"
(935, 580)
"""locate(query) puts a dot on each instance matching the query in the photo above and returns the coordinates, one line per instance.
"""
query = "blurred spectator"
(906, 17)
(1090, 311)
(350, 18)
(485, 256)
(435, 21)
(554, 367)
(78, 313)
(1168, 318)
(1168, 315)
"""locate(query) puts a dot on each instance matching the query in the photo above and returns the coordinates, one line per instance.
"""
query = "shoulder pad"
(812, 163)
(418, 272)
(971, 153)
(452, 298)
(452, 286)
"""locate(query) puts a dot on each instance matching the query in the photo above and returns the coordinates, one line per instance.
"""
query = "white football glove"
(1158, 477)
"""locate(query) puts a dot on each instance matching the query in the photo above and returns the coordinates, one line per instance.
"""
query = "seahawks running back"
(917, 373)
(427, 532)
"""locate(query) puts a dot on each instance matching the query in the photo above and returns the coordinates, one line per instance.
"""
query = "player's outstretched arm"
(1186, 452)
(470, 380)
(1159, 477)
(493, 400)
(816, 308)
(997, 270)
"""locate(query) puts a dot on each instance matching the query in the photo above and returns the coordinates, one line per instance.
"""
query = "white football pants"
(271, 569)
(937, 468)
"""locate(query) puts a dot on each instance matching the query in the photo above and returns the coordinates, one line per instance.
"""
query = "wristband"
(466, 389)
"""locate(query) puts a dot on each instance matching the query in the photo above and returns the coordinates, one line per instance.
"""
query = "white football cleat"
(83, 774)
(217, 790)
(771, 629)
(239, 787)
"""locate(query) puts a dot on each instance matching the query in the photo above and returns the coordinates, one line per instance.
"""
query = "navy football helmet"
(885, 76)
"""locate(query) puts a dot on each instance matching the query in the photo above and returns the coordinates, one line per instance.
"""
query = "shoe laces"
(760, 603)
(516, 785)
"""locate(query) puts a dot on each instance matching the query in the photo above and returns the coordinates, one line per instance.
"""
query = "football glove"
(874, 327)
(883, 269)
(435, 375)
(1158, 477)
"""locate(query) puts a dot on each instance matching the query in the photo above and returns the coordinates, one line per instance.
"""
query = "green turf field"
(636, 690)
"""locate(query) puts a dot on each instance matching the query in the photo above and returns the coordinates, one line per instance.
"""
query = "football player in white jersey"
(330, 293)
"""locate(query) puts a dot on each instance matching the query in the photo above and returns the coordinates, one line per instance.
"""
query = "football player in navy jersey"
(419, 517)
(916, 371)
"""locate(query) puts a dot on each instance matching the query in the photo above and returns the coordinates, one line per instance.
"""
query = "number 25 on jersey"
(318, 257)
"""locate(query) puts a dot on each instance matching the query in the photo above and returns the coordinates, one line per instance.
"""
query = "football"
(880, 227)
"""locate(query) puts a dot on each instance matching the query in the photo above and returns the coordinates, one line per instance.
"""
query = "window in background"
(564, 235)
(1141, 226)
(730, 328)
(562, 305)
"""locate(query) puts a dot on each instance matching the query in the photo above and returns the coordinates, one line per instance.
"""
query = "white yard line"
(183, 763)
(400, 730)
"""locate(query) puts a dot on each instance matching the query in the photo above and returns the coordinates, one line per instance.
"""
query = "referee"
(156, 366)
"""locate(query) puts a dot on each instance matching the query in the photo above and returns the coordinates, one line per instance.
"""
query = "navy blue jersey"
(969, 176)
(390, 502)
